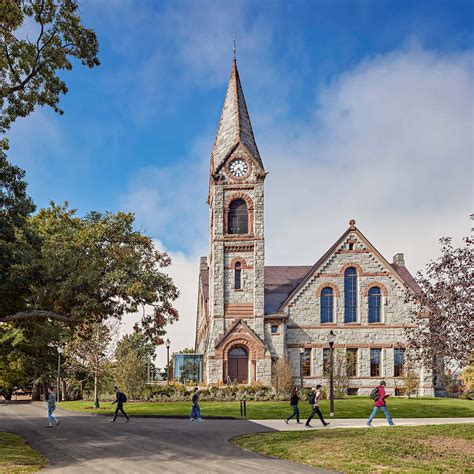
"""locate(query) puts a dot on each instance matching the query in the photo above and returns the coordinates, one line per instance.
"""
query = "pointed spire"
(234, 126)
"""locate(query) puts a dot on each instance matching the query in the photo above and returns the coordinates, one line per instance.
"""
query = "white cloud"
(390, 143)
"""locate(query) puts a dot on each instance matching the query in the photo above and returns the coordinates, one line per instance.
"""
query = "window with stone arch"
(375, 304)
(238, 276)
(350, 295)
(327, 305)
(238, 221)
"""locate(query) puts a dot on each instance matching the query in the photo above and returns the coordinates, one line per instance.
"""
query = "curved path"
(84, 443)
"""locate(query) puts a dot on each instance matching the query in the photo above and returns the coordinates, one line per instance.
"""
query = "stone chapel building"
(249, 314)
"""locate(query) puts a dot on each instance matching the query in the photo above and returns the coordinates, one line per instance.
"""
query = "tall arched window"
(327, 305)
(238, 217)
(375, 304)
(350, 295)
(238, 276)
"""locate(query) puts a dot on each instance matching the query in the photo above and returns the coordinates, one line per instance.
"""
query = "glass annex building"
(187, 368)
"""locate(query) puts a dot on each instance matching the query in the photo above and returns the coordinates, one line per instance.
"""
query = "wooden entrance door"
(238, 366)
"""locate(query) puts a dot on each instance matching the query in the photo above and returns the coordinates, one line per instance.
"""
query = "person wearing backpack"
(314, 401)
(120, 399)
(294, 404)
(378, 395)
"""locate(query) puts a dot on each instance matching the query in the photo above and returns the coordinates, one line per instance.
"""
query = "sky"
(360, 109)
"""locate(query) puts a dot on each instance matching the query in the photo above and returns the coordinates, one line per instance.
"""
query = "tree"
(131, 357)
(15, 239)
(29, 68)
(89, 355)
(88, 269)
(410, 379)
(468, 377)
(443, 309)
(282, 376)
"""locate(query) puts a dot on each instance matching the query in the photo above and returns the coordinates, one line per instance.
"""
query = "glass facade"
(187, 368)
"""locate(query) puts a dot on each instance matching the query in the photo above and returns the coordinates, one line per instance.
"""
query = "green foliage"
(468, 377)
(88, 269)
(29, 65)
(15, 239)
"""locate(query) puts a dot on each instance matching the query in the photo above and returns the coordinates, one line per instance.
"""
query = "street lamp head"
(331, 338)
(60, 349)
(168, 343)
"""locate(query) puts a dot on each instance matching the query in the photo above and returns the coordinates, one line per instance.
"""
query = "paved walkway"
(280, 425)
(88, 444)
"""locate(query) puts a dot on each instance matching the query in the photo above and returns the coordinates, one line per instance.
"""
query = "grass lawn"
(356, 407)
(445, 448)
(16, 456)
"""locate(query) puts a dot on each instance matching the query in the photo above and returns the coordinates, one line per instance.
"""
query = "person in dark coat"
(295, 398)
(120, 399)
(314, 400)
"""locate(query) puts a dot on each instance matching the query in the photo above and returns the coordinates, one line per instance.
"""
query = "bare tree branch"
(39, 314)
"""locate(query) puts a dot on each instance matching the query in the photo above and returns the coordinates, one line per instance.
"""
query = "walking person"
(51, 408)
(195, 411)
(120, 399)
(294, 404)
(314, 400)
(379, 395)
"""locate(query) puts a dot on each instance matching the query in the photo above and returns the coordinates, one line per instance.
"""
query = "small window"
(398, 361)
(375, 304)
(306, 363)
(351, 362)
(352, 391)
(375, 362)
(238, 276)
(351, 246)
(326, 362)
(274, 329)
(327, 305)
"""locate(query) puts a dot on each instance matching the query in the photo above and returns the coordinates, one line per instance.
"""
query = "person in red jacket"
(379, 404)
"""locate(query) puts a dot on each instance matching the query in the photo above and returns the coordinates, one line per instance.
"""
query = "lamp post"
(58, 382)
(301, 366)
(168, 344)
(331, 338)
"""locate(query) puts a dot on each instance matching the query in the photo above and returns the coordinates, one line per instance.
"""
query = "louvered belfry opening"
(238, 217)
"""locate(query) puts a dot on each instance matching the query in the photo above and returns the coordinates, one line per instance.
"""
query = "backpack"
(123, 398)
(312, 398)
(374, 394)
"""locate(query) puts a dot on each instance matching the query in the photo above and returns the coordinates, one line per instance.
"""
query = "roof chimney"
(399, 260)
(203, 264)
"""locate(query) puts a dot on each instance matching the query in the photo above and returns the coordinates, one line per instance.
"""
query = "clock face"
(239, 168)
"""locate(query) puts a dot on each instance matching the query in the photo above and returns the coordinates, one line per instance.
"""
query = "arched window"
(238, 276)
(327, 305)
(375, 303)
(238, 217)
(350, 295)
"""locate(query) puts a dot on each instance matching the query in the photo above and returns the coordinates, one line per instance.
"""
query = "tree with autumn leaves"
(444, 308)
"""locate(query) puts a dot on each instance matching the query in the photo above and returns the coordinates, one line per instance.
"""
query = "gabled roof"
(246, 329)
(234, 126)
(400, 272)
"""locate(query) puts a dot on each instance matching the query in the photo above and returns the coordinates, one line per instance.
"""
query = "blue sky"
(360, 109)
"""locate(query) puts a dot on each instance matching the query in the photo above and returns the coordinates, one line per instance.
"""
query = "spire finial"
(235, 48)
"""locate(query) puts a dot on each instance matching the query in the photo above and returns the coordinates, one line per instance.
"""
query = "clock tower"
(234, 347)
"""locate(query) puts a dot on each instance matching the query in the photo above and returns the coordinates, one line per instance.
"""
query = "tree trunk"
(96, 391)
(7, 394)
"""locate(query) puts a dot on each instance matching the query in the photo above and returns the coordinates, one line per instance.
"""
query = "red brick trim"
(383, 288)
(335, 289)
(243, 263)
(325, 345)
(355, 326)
(358, 268)
(238, 156)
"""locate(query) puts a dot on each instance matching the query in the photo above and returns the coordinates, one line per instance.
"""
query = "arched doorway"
(238, 368)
